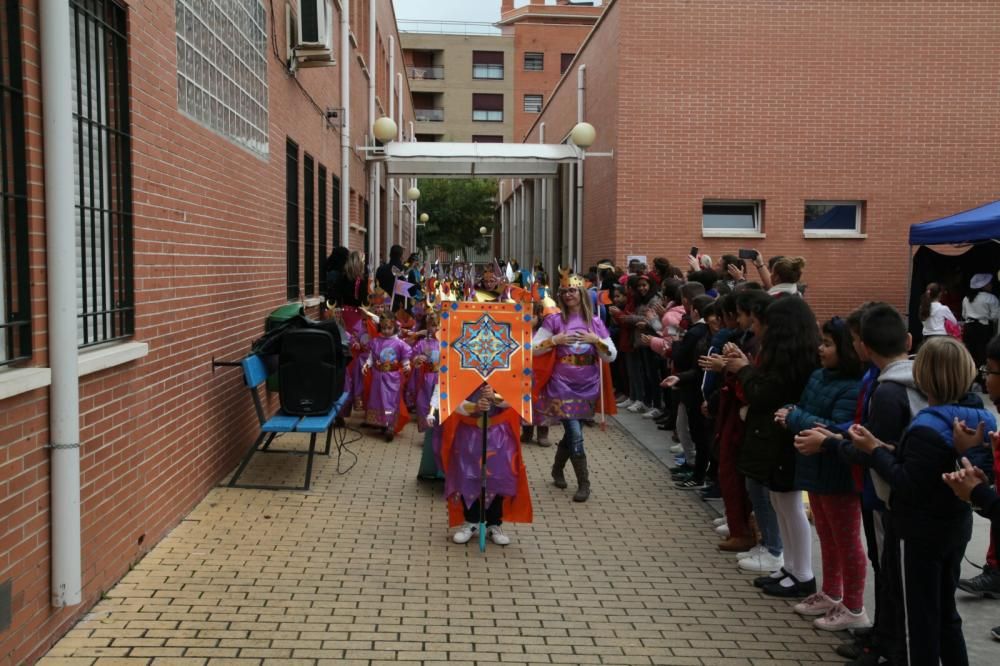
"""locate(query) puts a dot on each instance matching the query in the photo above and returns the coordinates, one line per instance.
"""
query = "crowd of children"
(766, 405)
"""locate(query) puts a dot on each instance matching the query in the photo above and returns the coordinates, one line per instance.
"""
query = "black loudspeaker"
(311, 369)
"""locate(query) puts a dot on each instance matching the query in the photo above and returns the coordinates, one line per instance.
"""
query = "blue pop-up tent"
(972, 238)
(971, 226)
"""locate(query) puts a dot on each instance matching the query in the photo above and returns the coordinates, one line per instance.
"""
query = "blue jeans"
(767, 521)
(573, 437)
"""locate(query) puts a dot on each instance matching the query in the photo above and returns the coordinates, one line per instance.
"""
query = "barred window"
(222, 68)
(321, 231)
(102, 171)
(15, 313)
(533, 103)
(335, 210)
(309, 218)
(292, 218)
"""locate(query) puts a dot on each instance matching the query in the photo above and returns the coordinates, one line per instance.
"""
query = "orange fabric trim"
(541, 367)
(516, 509)
(610, 407)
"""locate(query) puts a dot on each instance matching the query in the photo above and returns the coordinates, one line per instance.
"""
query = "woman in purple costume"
(388, 361)
(580, 341)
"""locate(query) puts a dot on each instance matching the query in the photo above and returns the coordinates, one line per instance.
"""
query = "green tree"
(457, 209)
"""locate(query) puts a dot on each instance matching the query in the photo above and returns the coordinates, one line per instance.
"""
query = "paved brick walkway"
(360, 570)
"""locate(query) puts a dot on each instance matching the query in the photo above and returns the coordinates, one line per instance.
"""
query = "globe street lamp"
(424, 217)
(413, 194)
(384, 129)
(583, 135)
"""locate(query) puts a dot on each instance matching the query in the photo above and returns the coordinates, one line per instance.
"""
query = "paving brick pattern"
(361, 570)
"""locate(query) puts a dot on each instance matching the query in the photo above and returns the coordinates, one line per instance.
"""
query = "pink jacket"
(670, 321)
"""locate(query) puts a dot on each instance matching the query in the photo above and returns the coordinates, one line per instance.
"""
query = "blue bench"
(255, 374)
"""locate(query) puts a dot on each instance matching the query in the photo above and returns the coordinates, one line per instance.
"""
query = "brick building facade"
(218, 173)
(733, 121)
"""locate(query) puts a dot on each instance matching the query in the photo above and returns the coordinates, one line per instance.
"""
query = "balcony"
(425, 73)
(429, 115)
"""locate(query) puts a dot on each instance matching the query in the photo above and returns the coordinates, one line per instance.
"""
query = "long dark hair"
(790, 344)
(639, 299)
(931, 294)
(848, 363)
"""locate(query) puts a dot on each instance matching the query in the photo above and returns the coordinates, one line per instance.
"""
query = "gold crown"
(567, 279)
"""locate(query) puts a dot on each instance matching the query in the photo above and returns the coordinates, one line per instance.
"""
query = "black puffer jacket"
(768, 451)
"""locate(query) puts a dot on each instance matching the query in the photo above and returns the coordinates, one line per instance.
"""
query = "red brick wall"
(891, 102)
(157, 434)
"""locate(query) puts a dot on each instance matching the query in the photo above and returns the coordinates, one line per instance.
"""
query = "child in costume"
(461, 451)
(424, 376)
(387, 364)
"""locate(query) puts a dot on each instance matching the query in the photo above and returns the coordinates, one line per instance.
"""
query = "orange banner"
(485, 342)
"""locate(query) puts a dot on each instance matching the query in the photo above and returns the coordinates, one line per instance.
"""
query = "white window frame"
(756, 232)
(484, 116)
(533, 108)
(835, 233)
(487, 72)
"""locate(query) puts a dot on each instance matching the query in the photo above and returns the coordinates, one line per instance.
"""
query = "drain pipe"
(373, 171)
(390, 203)
(60, 253)
(345, 125)
(399, 129)
(543, 185)
(581, 87)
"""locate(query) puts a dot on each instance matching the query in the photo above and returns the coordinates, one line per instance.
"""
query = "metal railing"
(424, 73)
(448, 27)
(429, 115)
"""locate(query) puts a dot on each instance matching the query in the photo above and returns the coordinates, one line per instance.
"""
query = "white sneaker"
(721, 520)
(637, 407)
(465, 532)
(816, 604)
(722, 530)
(654, 413)
(495, 533)
(624, 402)
(676, 448)
(762, 563)
(753, 552)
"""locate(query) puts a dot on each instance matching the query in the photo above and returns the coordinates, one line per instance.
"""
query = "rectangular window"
(487, 64)
(102, 171)
(487, 138)
(564, 61)
(15, 298)
(321, 233)
(532, 103)
(731, 216)
(335, 210)
(222, 68)
(534, 62)
(833, 218)
(309, 221)
(292, 219)
(487, 108)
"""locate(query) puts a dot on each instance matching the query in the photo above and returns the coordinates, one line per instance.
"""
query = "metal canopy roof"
(475, 160)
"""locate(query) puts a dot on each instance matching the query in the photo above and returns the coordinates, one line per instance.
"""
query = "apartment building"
(463, 84)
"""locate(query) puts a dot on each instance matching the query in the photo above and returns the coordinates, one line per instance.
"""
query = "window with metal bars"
(102, 171)
(335, 210)
(15, 298)
(309, 221)
(321, 228)
(292, 219)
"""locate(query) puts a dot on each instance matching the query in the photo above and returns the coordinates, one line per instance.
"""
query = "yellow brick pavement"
(361, 570)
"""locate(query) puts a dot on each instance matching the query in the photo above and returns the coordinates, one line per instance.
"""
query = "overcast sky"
(448, 10)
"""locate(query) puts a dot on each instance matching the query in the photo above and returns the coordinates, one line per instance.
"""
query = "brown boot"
(582, 478)
(737, 544)
(562, 455)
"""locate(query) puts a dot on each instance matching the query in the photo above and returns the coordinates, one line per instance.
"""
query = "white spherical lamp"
(424, 217)
(583, 135)
(384, 129)
(413, 194)
(483, 230)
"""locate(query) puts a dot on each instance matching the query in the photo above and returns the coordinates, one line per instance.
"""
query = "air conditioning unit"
(315, 25)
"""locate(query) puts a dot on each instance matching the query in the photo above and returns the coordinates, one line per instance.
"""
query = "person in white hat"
(980, 310)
